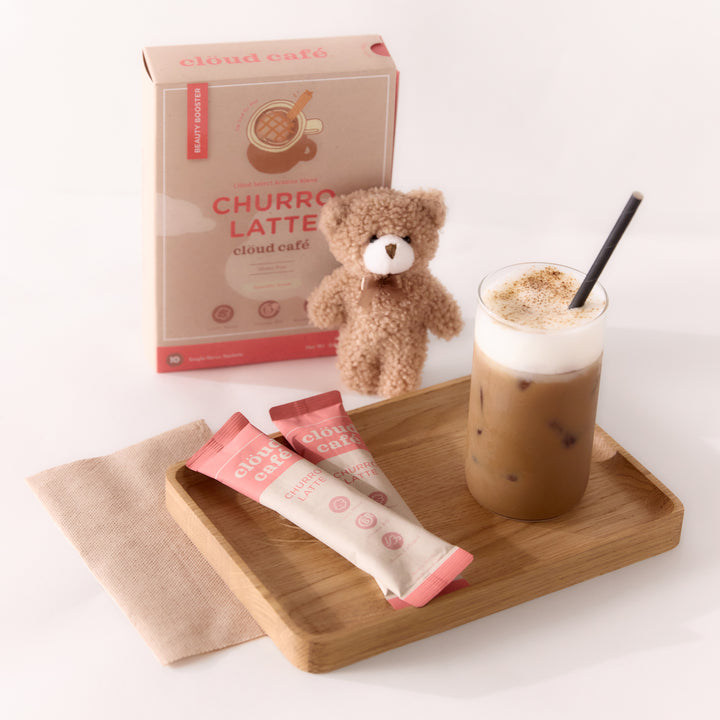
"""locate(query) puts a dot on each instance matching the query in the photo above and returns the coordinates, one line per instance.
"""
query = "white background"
(537, 120)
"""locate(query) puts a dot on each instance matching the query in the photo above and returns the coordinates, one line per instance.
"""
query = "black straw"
(606, 251)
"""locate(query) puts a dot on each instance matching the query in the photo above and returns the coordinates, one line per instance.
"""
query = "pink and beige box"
(244, 144)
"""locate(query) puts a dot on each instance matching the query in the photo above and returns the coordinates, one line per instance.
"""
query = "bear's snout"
(388, 255)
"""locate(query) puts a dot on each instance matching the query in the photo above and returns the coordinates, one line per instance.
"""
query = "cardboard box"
(244, 144)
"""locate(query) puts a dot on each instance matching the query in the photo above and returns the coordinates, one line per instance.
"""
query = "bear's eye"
(373, 238)
(407, 239)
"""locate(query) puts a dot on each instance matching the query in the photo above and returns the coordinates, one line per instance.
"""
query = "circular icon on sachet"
(339, 504)
(278, 135)
(392, 540)
(366, 520)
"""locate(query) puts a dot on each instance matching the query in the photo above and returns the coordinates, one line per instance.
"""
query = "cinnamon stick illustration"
(300, 103)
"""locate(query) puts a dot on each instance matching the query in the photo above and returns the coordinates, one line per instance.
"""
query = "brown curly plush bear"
(383, 297)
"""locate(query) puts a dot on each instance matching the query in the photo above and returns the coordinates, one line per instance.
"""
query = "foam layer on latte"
(524, 322)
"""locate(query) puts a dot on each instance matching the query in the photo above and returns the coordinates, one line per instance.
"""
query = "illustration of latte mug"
(272, 130)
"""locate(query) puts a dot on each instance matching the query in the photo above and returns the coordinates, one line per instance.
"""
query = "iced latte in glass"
(534, 391)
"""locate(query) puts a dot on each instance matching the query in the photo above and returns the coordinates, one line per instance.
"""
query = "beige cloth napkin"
(112, 509)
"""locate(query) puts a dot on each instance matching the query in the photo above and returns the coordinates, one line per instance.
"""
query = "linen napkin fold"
(112, 509)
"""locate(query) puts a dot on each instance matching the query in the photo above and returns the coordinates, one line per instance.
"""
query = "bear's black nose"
(390, 250)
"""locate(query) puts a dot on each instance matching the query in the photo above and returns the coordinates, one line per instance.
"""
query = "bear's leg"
(359, 367)
(401, 366)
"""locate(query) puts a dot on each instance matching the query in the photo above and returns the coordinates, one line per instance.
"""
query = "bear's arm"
(443, 317)
(326, 303)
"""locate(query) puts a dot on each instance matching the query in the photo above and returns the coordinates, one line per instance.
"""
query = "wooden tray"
(324, 613)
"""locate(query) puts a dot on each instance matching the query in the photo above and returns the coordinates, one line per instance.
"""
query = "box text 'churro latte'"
(244, 145)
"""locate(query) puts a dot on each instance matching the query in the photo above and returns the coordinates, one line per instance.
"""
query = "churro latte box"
(244, 145)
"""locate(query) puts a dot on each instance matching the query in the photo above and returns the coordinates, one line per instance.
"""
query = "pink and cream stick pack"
(411, 562)
(319, 429)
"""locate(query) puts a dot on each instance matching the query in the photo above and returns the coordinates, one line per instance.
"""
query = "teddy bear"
(383, 298)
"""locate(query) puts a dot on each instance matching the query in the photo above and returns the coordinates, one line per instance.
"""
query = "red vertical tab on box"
(197, 121)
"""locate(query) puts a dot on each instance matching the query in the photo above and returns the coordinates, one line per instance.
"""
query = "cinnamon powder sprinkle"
(539, 299)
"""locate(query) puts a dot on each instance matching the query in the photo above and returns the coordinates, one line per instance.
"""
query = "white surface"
(571, 106)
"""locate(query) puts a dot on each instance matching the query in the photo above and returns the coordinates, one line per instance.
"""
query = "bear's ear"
(433, 202)
(333, 214)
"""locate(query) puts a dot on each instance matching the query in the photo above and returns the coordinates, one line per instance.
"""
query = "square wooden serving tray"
(324, 613)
